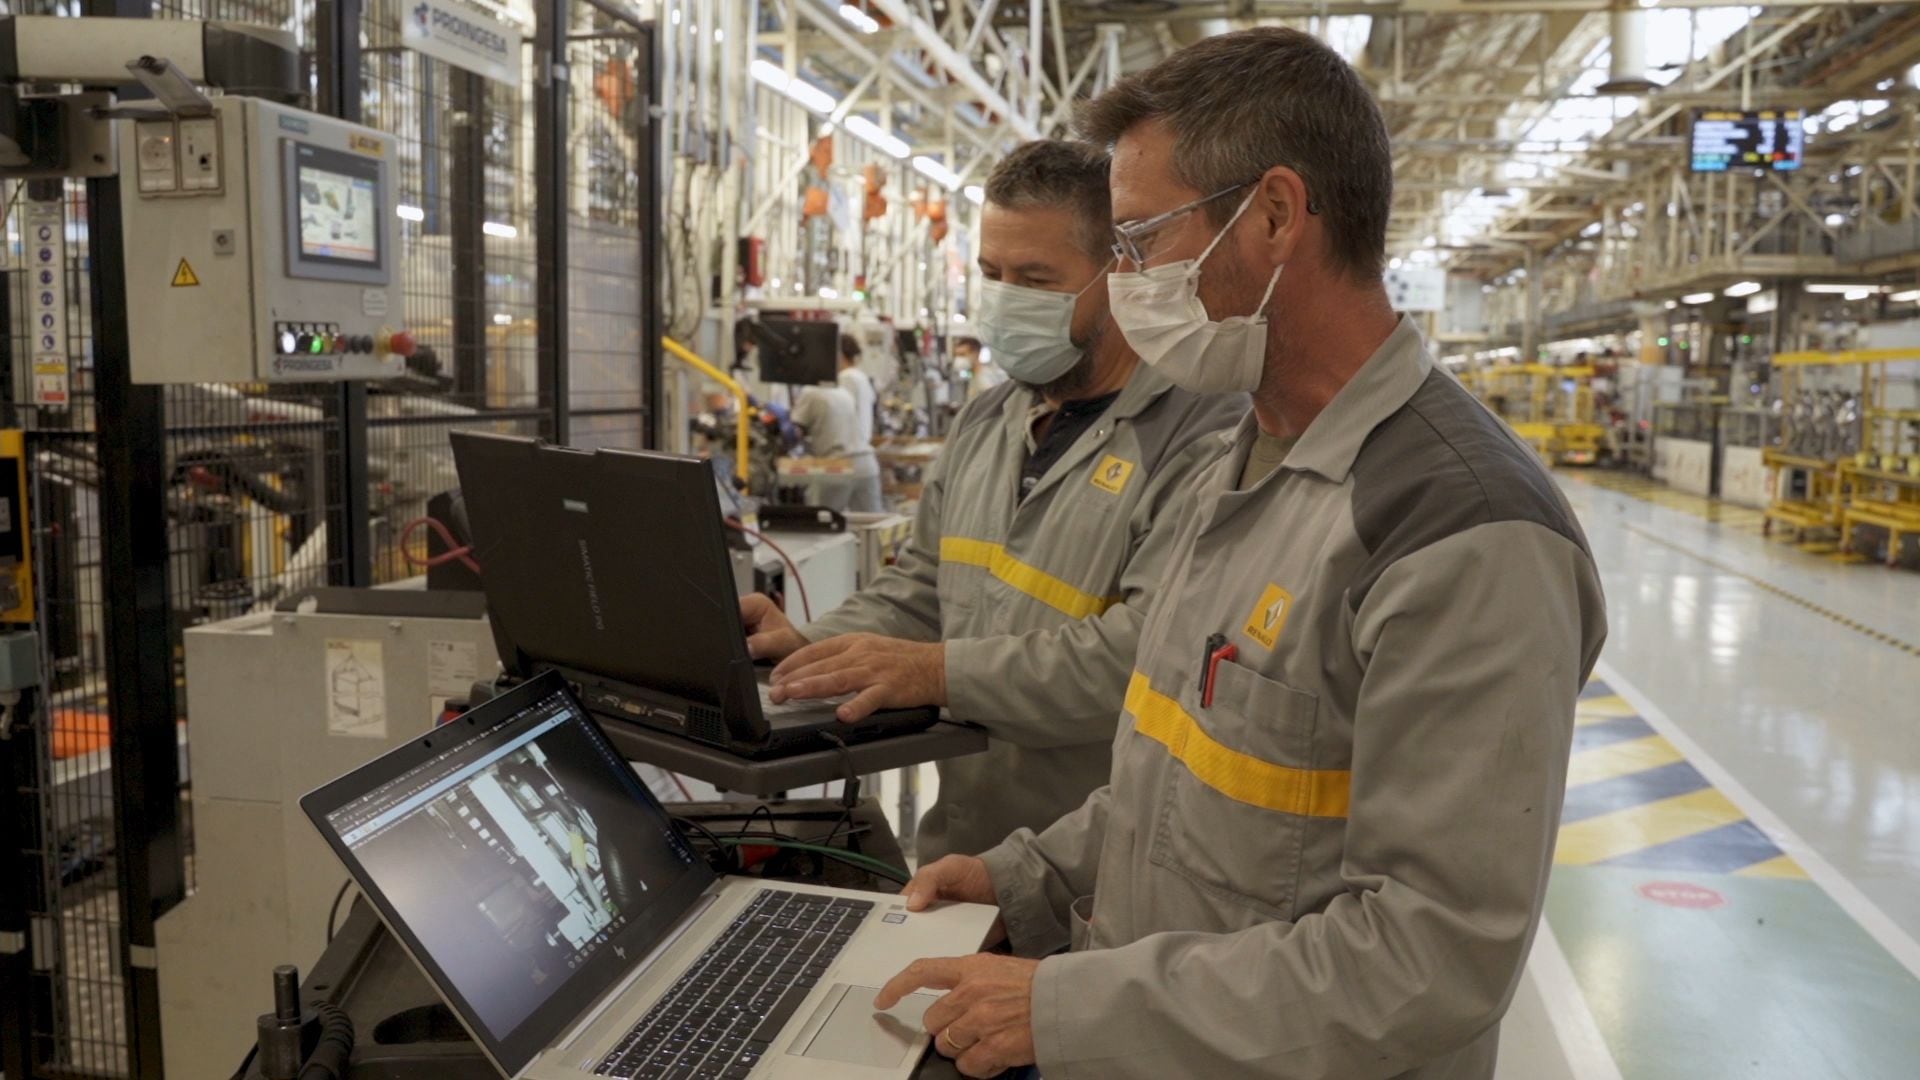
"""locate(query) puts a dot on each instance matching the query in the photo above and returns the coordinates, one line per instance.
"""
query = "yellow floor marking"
(1780, 866)
(1609, 707)
(1638, 828)
(1621, 759)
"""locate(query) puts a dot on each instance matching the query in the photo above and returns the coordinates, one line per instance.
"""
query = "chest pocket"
(1241, 788)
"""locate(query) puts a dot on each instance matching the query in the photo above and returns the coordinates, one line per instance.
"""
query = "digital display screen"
(517, 857)
(339, 216)
(1730, 139)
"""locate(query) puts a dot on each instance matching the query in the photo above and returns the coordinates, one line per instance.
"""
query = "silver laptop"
(551, 901)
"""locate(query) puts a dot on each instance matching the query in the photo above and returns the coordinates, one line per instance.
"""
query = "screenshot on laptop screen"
(516, 855)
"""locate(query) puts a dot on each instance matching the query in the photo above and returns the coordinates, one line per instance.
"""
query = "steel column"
(550, 209)
(466, 218)
(349, 516)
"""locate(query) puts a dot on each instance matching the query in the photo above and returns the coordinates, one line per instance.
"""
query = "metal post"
(130, 429)
(1530, 324)
(652, 251)
(550, 209)
(466, 196)
(349, 517)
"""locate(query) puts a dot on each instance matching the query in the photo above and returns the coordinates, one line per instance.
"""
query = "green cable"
(884, 869)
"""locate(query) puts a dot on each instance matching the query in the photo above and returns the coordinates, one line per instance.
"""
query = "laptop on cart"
(549, 898)
(611, 567)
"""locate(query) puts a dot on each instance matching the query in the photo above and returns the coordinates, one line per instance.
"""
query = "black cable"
(868, 864)
(849, 789)
(773, 824)
(333, 912)
(713, 840)
(332, 1054)
(247, 1062)
(817, 841)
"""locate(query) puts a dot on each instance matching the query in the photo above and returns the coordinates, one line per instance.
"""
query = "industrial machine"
(258, 238)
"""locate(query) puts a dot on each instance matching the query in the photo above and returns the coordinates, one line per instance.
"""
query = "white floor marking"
(1854, 902)
(1573, 1023)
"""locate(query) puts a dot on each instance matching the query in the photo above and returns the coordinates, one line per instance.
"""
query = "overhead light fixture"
(503, 319)
(828, 292)
(1695, 299)
(1857, 294)
(774, 77)
(1908, 297)
(1831, 288)
(1429, 241)
(861, 21)
(499, 229)
(1744, 288)
(975, 194)
(935, 172)
(1834, 221)
(1671, 304)
(409, 213)
(959, 318)
(877, 137)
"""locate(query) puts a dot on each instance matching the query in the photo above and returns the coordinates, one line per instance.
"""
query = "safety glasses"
(1132, 241)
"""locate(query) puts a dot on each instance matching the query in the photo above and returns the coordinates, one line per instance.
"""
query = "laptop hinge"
(619, 989)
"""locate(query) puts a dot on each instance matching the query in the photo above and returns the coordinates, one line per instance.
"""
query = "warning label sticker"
(184, 277)
(356, 689)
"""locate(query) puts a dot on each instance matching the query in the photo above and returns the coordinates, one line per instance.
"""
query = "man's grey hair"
(1239, 104)
(1055, 173)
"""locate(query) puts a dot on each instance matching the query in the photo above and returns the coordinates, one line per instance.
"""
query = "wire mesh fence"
(253, 471)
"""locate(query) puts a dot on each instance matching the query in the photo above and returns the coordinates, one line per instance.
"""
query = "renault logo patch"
(1269, 616)
(1112, 475)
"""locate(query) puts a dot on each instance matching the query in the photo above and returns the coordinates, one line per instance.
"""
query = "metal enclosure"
(260, 246)
(264, 878)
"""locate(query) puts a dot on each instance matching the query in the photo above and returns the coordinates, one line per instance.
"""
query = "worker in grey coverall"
(1041, 529)
(1338, 777)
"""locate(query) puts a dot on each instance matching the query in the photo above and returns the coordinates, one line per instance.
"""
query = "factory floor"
(1737, 889)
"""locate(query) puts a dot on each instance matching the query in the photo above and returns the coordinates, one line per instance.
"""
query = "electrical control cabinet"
(261, 245)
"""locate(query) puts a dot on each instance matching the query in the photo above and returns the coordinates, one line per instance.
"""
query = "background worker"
(1040, 532)
(834, 431)
(1338, 780)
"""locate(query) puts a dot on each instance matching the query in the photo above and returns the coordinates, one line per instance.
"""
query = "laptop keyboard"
(770, 709)
(722, 1015)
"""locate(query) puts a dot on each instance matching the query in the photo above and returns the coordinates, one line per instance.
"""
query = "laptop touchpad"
(856, 1033)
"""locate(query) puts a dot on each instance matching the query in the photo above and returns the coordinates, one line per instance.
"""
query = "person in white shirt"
(859, 384)
(833, 429)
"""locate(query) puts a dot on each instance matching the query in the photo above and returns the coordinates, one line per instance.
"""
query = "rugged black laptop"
(611, 567)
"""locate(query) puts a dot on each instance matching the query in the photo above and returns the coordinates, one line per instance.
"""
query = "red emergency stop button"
(399, 342)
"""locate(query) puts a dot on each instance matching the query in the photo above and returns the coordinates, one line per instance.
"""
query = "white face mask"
(1029, 330)
(1160, 313)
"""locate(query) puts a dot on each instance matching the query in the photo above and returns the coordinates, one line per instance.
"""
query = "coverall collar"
(1383, 384)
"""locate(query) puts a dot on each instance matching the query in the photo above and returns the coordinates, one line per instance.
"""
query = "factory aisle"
(1737, 888)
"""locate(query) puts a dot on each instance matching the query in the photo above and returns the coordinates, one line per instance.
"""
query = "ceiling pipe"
(1627, 70)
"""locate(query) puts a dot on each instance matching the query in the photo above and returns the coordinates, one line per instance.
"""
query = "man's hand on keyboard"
(770, 634)
(880, 673)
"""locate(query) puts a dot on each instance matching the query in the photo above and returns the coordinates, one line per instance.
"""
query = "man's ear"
(1281, 200)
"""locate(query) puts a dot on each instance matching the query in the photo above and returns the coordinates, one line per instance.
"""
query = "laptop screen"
(524, 861)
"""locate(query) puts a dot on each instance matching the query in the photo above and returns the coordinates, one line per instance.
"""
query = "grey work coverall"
(1336, 867)
(1039, 600)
